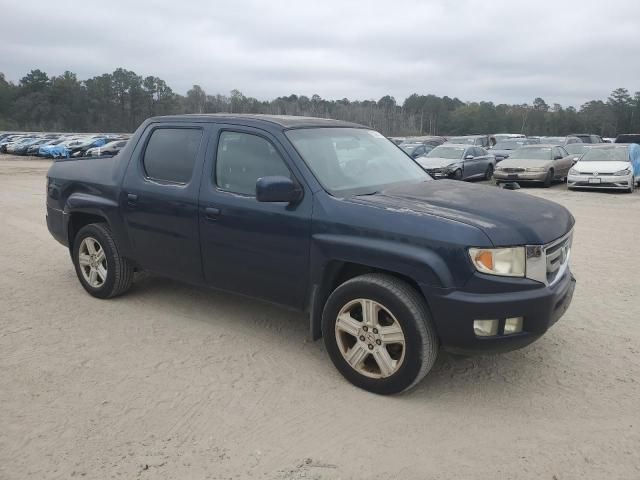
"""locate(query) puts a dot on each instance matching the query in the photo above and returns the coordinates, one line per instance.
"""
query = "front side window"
(354, 161)
(242, 159)
(171, 154)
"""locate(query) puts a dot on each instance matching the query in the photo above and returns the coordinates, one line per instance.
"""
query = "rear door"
(159, 200)
(254, 248)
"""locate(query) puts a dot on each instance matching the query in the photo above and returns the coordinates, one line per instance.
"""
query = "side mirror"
(558, 157)
(469, 157)
(277, 189)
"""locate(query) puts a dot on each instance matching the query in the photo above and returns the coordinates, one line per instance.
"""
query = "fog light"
(485, 328)
(513, 325)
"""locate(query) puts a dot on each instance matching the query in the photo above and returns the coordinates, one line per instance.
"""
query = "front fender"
(328, 251)
(422, 265)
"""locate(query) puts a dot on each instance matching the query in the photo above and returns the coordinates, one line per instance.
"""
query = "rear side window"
(171, 154)
(242, 159)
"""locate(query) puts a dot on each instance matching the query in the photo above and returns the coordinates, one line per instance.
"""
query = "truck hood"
(506, 217)
(435, 162)
(601, 167)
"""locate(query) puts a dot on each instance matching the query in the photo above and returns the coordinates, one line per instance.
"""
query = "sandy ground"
(171, 381)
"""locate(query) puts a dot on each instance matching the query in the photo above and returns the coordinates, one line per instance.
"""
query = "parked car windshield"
(443, 151)
(509, 144)
(553, 140)
(535, 153)
(577, 148)
(409, 148)
(354, 161)
(469, 140)
(614, 154)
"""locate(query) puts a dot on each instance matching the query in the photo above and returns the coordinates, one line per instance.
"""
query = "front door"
(255, 248)
(159, 200)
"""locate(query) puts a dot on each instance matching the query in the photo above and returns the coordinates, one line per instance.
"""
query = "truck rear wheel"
(101, 270)
(378, 333)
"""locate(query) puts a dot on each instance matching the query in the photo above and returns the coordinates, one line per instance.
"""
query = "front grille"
(595, 175)
(557, 256)
(513, 170)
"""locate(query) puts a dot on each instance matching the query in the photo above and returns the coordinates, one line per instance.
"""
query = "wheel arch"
(416, 266)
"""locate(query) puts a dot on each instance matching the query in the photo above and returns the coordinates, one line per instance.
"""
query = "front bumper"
(454, 313)
(599, 181)
(520, 176)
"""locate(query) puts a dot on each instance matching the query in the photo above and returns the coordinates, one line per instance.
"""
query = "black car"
(628, 138)
(388, 264)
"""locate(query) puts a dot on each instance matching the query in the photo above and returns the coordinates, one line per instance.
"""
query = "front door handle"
(211, 213)
(132, 199)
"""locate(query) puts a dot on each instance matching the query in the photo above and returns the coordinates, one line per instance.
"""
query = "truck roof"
(286, 121)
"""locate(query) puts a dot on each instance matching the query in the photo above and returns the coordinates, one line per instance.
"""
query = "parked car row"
(510, 158)
(61, 145)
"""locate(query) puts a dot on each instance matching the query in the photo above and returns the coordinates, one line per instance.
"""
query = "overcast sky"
(504, 51)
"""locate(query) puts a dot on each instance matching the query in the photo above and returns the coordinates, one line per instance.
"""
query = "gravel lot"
(172, 381)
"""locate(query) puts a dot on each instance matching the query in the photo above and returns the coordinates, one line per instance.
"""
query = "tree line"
(120, 101)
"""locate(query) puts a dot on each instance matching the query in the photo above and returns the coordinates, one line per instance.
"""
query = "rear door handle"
(132, 199)
(211, 213)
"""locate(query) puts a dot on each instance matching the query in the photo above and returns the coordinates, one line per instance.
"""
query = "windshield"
(443, 151)
(576, 148)
(509, 144)
(553, 140)
(408, 148)
(469, 140)
(613, 154)
(535, 153)
(354, 161)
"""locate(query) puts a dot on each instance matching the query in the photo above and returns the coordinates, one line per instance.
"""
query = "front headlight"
(621, 173)
(536, 169)
(573, 171)
(508, 262)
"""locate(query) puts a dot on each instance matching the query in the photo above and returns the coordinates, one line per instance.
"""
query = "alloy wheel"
(93, 262)
(370, 338)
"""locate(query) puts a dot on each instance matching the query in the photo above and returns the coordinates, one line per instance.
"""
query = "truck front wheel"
(101, 270)
(378, 333)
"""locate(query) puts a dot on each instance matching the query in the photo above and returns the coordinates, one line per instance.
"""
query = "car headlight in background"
(536, 169)
(508, 262)
(623, 172)
(573, 171)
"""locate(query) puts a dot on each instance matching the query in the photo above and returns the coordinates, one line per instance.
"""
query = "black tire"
(548, 179)
(410, 311)
(457, 175)
(488, 175)
(119, 270)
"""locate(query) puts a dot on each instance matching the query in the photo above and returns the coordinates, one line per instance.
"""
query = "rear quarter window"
(171, 154)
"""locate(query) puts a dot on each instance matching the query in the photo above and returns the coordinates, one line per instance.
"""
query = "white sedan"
(615, 166)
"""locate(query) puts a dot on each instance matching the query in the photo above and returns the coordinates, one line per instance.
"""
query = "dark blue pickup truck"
(327, 217)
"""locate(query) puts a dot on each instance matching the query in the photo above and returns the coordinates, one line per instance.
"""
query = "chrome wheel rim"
(93, 262)
(370, 338)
